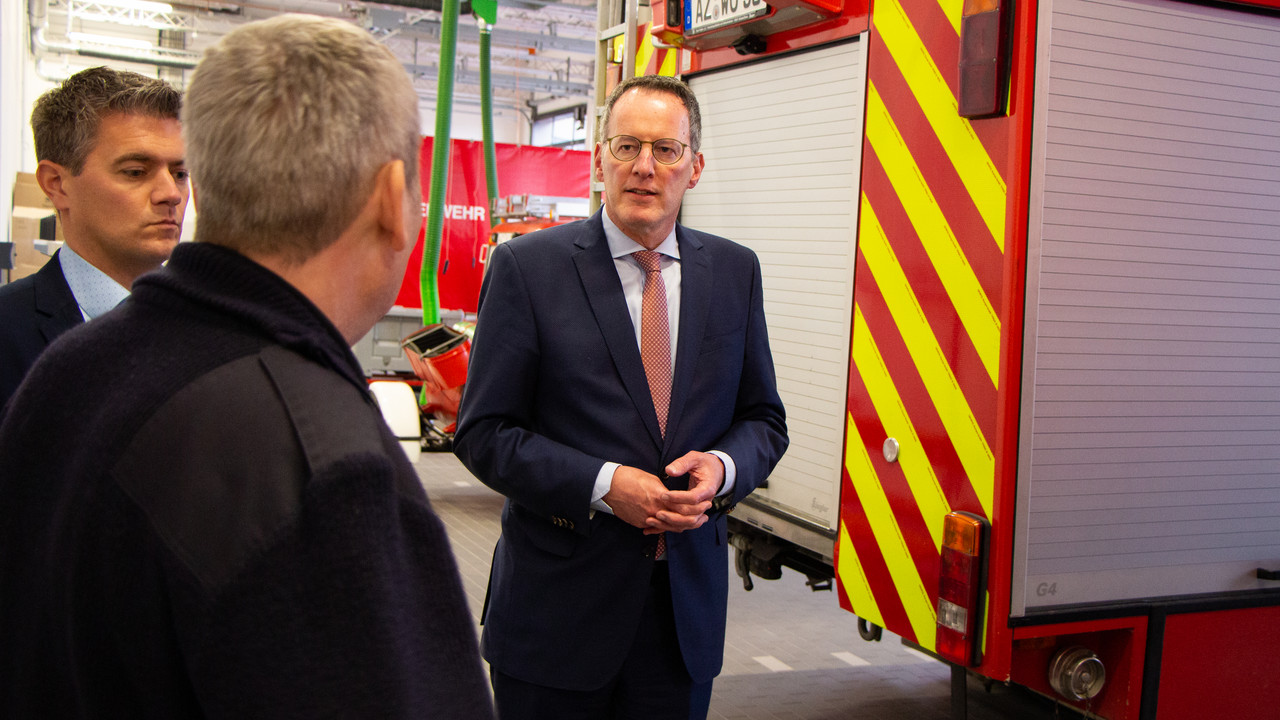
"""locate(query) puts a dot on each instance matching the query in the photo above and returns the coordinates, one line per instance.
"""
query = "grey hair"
(660, 84)
(287, 122)
(65, 120)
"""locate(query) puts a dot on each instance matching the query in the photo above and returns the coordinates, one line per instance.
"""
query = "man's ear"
(393, 204)
(51, 177)
(698, 163)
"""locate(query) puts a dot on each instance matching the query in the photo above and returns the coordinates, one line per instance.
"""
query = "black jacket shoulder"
(248, 437)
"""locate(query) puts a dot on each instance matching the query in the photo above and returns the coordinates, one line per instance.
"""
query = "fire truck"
(1022, 273)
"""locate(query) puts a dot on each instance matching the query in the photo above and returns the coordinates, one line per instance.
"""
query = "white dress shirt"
(633, 278)
(94, 290)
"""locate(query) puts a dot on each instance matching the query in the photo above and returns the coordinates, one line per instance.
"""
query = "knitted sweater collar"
(231, 284)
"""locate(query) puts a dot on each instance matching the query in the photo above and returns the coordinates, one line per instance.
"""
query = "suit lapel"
(604, 292)
(695, 302)
(54, 301)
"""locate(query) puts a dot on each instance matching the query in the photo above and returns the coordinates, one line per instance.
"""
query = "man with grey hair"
(215, 521)
(110, 159)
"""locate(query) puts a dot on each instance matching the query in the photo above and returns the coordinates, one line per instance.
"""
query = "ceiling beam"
(583, 11)
(504, 81)
(468, 32)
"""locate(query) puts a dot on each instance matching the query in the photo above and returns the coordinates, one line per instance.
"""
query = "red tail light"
(960, 589)
(983, 56)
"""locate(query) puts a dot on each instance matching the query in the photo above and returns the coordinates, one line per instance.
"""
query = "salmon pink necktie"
(655, 335)
(655, 345)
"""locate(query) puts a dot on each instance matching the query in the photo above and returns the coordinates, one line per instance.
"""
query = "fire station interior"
(881, 170)
(790, 652)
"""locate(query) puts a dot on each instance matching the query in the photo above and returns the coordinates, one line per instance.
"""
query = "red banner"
(522, 170)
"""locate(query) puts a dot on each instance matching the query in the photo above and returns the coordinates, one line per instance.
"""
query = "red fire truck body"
(1022, 269)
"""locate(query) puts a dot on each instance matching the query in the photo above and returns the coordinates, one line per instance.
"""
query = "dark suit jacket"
(555, 389)
(33, 311)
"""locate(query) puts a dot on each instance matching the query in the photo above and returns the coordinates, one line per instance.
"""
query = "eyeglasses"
(625, 148)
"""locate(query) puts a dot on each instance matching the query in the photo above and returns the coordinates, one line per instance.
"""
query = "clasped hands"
(640, 499)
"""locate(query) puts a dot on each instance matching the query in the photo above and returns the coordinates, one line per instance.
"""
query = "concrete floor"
(791, 653)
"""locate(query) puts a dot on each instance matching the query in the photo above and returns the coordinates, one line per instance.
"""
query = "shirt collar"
(621, 245)
(94, 290)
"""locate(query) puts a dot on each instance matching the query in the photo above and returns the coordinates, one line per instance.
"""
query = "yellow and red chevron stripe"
(926, 332)
(650, 59)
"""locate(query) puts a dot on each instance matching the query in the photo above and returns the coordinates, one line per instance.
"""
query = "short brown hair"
(66, 119)
(661, 84)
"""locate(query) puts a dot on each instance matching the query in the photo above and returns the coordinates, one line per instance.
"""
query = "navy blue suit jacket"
(555, 389)
(33, 311)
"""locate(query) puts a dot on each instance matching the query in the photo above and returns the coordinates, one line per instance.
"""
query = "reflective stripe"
(916, 601)
(949, 261)
(644, 49)
(925, 488)
(971, 161)
(926, 353)
(953, 9)
(854, 581)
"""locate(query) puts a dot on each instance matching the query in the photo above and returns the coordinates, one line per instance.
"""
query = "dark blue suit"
(33, 311)
(555, 389)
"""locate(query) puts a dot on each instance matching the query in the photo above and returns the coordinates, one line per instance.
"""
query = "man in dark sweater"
(202, 513)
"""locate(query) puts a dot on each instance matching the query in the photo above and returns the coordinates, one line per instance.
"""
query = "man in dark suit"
(621, 394)
(110, 158)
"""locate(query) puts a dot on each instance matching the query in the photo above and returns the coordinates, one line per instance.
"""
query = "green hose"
(439, 164)
(486, 116)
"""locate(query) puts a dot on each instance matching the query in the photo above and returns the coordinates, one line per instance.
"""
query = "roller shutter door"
(1150, 446)
(782, 139)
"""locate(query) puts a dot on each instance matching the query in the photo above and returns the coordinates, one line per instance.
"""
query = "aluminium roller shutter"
(782, 139)
(1150, 443)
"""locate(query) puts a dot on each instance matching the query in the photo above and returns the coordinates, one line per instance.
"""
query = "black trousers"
(653, 683)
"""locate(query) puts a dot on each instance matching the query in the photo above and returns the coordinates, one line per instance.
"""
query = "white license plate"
(703, 15)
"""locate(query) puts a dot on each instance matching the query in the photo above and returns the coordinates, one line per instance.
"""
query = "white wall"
(13, 44)
(509, 126)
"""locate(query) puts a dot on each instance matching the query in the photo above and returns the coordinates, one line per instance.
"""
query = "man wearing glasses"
(622, 396)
